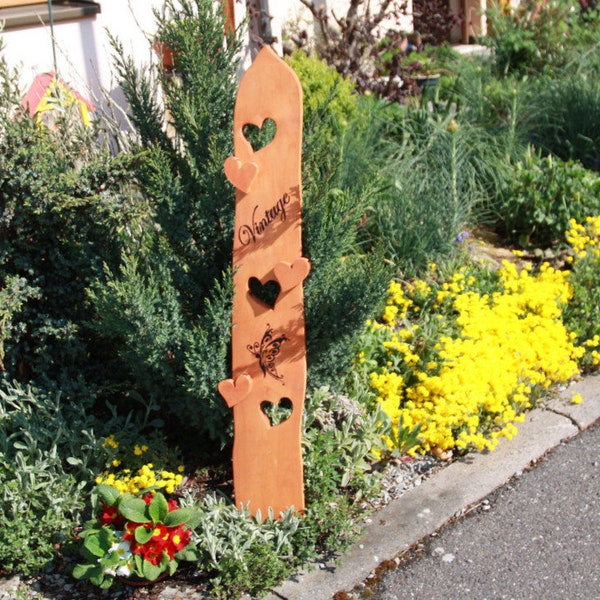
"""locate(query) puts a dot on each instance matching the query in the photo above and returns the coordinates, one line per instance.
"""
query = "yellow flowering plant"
(134, 467)
(584, 241)
(463, 356)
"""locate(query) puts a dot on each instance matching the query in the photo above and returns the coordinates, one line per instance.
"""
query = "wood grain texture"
(268, 336)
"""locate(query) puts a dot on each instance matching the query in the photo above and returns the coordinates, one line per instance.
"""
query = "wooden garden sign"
(268, 382)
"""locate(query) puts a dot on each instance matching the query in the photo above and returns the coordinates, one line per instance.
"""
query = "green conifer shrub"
(166, 312)
(63, 206)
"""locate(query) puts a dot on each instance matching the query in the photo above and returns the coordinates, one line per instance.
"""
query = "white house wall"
(83, 51)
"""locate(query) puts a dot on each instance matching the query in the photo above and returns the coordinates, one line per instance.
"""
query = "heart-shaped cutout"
(289, 275)
(235, 391)
(277, 413)
(262, 136)
(240, 174)
(267, 292)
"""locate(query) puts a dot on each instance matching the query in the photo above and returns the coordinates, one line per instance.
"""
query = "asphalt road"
(537, 537)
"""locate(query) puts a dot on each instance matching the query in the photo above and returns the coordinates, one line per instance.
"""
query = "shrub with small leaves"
(543, 195)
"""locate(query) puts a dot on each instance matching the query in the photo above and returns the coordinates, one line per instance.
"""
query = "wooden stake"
(268, 385)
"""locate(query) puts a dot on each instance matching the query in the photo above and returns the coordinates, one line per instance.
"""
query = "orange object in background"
(268, 382)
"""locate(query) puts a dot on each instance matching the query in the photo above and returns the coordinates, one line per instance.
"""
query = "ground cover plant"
(463, 355)
(115, 292)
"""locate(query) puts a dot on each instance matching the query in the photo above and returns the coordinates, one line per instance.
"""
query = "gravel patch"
(403, 474)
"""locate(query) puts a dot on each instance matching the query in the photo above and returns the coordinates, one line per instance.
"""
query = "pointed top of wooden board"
(270, 89)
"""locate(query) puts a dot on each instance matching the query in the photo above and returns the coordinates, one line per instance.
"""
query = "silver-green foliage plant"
(346, 434)
(240, 552)
(342, 439)
(49, 452)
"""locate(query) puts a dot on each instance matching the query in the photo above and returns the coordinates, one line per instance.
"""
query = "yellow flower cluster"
(144, 478)
(593, 346)
(397, 307)
(110, 442)
(470, 380)
(584, 238)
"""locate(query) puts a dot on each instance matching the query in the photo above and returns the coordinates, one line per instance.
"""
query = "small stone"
(448, 557)
(9, 585)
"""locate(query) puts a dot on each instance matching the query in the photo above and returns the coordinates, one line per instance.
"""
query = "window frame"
(27, 13)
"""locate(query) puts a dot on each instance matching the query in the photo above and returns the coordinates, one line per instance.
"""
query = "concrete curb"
(424, 509)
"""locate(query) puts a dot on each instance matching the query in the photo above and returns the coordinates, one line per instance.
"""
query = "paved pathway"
(526, 546)
(535, 538)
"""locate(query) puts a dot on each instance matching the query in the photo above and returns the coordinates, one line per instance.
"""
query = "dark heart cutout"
(259, 137)
(277, 413)
(265, 292)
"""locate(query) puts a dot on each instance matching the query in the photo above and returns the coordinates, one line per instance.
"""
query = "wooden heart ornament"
(235, 391)
(268, 340)
(240, 174)
(289, 275)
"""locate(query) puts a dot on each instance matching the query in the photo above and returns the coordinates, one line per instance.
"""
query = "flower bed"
(461, 356)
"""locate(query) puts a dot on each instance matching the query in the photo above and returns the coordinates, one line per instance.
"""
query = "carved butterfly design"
(267, 350)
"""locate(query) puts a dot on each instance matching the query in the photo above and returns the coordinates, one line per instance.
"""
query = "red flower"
(152, 554)
(179, 538)
(110, 516)
(164, 540)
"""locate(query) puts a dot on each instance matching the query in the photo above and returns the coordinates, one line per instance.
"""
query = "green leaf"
(180, 516)
(150, 571)
(94, 546)
(134, 509)
(86, 571)
(142, 534)
(139, 565)
(158, 508)
(100, 580)
(108, 494)
(172, 567)
(188, 554)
